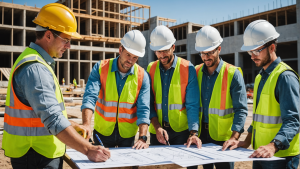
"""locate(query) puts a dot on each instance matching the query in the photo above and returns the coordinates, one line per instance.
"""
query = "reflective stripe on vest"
(23, 129)
(220, 107)
(110, 107)
(267, 119)
(176, 97)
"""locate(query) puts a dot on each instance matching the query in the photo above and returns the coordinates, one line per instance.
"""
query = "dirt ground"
(5, 161)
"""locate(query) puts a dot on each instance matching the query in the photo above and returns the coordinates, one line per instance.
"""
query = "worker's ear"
(48, 35)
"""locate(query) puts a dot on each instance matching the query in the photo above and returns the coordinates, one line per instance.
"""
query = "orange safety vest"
(110, 106)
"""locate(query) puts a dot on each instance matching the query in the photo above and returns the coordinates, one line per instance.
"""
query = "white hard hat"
(161, 38)
(207, 39)
(257, 34)
(134, 42)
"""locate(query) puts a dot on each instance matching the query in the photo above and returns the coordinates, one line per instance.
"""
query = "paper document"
(159, 155)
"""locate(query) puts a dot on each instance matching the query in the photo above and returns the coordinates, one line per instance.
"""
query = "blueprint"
(158, 155)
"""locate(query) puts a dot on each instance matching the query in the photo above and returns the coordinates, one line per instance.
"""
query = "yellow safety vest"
(267, 115)
(111, 108)
(22, 128)
(176, 99)
(220, 107)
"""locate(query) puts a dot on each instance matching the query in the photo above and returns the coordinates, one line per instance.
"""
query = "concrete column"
(89, 7)
(118, 32)
(11, 59)
(78, 71)
(24, 18)
(24, 38)
(236, 28)
(91, 58)
(153, 24)
(103, 53)
(88, 26)
(67, 69)
(189, 28)
(103, 22)
(238, 60)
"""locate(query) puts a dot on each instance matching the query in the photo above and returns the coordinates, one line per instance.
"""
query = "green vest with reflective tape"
(176, 98)
(22, 128)
(267, 115)
(220, 113)
(110, 108)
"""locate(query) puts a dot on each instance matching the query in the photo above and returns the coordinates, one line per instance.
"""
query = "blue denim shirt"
(34, 86)
(93, 87)
(192, 97)
(237, 92)
(287, 95)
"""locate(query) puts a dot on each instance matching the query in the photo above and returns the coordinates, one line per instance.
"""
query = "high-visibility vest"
(267, 115)
(220, 111)
(110, 107)
(22, 128)
(176, 98)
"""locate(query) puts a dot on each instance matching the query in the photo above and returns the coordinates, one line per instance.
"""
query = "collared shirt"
(34, 86)
(237, 92)
(287, 95)
(192, 97)
(93, 87)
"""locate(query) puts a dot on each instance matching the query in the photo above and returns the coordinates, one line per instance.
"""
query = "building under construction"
(102, 24)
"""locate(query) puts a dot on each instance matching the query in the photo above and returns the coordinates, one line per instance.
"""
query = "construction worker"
(174, 110)
(275, 127)
(118, 93)
(223, 102)
(36, 128)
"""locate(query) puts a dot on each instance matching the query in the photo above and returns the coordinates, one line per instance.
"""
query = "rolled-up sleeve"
(92, 89)
(192, 99)
(239, 101)
(36, 83)
(143, 102)
(287, 92)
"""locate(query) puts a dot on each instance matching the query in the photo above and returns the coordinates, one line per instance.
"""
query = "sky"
(204, 12)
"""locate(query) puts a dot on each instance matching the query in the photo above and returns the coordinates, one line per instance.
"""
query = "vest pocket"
(224, 126)
(264, 136)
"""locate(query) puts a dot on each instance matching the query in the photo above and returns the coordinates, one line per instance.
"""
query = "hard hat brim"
(249, 48)
(134, 52)
(157, 48)
(74, 35)
(206, 49)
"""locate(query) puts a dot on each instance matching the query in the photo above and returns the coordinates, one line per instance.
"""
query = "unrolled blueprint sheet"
(215, 154)
(157, 155)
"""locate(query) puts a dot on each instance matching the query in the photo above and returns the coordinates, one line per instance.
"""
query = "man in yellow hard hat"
(36, 128)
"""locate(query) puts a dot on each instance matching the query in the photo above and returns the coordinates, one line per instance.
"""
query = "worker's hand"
(193, 140)
(88, 131)
(235, 144)
(162, 135)
(82, 130)
(98, 154)
(140, 144)
(267, 151)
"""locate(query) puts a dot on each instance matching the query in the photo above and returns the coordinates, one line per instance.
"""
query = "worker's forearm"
(87, 116)
(235, 135)
(71, 138)
(248, 138)
(143, 129)
(155, 123)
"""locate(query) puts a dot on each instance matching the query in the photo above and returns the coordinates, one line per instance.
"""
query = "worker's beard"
(170, 58)
(265, 61)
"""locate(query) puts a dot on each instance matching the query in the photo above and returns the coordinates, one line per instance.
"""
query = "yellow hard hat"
(57, 17)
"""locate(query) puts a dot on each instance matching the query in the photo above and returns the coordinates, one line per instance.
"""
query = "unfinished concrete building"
(286, 21)
(101, 23)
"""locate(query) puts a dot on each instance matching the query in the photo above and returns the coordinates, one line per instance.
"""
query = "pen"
(99, 140)
(166, 139)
